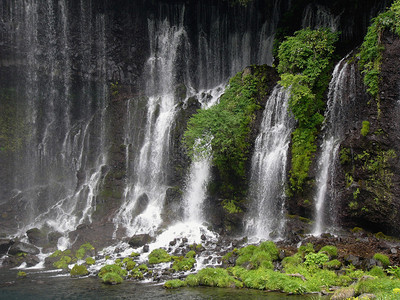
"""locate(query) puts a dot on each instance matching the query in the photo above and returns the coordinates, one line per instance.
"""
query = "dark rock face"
(20, 247)
(368, 181)
(140, 240)
(5, 244)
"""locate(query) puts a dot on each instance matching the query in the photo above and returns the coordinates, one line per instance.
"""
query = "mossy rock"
(79, 270)
(112, 278)
(159, 256)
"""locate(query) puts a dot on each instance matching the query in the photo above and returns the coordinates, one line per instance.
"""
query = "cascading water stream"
(265, 218)
(149, 184)
(341, 93)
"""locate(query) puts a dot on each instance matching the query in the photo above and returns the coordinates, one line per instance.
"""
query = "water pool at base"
(42, 285)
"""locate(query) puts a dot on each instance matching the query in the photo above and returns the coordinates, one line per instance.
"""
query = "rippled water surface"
(39, 285)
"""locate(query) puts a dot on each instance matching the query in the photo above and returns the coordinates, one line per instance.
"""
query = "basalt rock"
(20, 247)
(140, 240)
(5, 244)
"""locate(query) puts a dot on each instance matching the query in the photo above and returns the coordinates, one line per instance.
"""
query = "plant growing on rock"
(112, 274)
(159, 256)
(79, 270)
(303, 61)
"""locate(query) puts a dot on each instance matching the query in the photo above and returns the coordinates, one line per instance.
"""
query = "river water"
(50, 285)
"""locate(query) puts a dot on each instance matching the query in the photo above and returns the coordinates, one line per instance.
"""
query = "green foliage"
(384, 259)
(159, 256)
(304, 61)
(394, 271)
(112, 278)
(365, 128)
(305, 249)
(112, 269)
(261, 256)
(21, 274)
(136, 273)
(63, 262)
(191, 254)
(292, 260)
(333, 264)
(90, 261)
(215, 278)
(231, 207)
(315, 259)
(184, 263)
(307, 52)
(80, 253)
(192, 280)
(371, 49)
(143, 268)
(174, 284)
(114, 88)
(134, 254)
(377, 272)
(130, 265)
(378, 285)
(79, 270)
(330, 250)
(224, 129)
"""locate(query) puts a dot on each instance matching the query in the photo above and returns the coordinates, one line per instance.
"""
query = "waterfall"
(318, 16)
(66, 54)
(167, 43)
(59, 169)
(265, 218)
(340, 95)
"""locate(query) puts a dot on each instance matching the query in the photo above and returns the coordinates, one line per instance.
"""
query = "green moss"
(191, 254)
(377, 286)
(136, 274)
(174, 284)
(305, 249)
(316, 259)
(377, 272)
(330, 250)
(384, 259)
(90, 261)
(365, 128)
(112, 269)
(192, 280)
(159, 256)
(63, 262)
(79, 270)
(182, 263)
(21, 274)
(332, 265)
(292, 260)
(134, 254)
(231, 207)
(130, 265)
(112, 278)
(143, 268)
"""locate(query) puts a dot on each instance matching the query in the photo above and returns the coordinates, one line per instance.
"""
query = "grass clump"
(214, 277)
(333, 264)
(80, 253)
(79, 270)
(174, 284)
(184, 263)
(331, 251)
(112, 269)
(90, 261)
(136, 273)
(159, 256)
(63, 262)
(383, 259)
(112, 278)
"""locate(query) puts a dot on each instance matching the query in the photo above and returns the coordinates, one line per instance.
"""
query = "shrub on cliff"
(304, 61)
